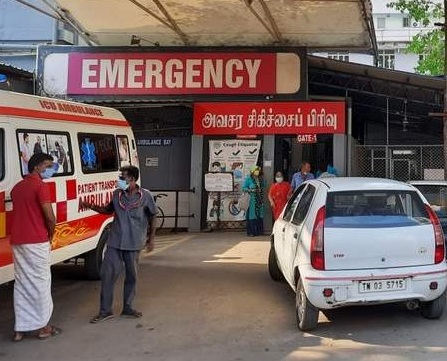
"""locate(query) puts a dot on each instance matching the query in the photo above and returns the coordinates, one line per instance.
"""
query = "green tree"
(430, 44)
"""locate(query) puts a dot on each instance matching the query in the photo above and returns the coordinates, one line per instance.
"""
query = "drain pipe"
(55, 32)
(18, 46)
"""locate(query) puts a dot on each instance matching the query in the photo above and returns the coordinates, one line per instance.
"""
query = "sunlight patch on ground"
(364, 352)
(251, 252)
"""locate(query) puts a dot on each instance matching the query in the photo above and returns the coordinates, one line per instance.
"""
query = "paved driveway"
(209, 297)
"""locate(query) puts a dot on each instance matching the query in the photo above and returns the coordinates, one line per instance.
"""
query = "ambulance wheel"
(93, 259)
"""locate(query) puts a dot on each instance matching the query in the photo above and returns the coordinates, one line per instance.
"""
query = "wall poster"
(236, 156)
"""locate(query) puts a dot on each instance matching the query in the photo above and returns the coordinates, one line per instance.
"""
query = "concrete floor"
(209, 297)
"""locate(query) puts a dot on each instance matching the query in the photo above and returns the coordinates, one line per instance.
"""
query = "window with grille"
(406, 22)
(386, 59)
(381, 23)
(343, 56)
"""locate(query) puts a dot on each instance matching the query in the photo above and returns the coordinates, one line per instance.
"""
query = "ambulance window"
(2, 154)
(57, 144)
(123, 149)
(98, 152)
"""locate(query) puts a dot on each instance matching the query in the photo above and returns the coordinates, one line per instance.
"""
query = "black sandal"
(101, 317)
(131, 314)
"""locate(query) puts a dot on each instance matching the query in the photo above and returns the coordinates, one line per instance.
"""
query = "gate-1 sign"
(306, 138)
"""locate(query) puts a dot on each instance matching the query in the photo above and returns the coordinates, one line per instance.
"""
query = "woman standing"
(254, 185)
(278, 194)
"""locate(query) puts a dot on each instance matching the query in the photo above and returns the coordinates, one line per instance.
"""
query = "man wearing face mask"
(299, 177)
(31, 235)
(133, 228)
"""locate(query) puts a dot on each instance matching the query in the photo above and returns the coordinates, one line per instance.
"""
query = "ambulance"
(88, 144)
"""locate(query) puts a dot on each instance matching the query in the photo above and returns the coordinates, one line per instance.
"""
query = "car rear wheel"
(306, 313)
(434, 309)
(274, 271)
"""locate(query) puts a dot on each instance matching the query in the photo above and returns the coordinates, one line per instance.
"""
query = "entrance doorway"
(289, 154)
(403, 169)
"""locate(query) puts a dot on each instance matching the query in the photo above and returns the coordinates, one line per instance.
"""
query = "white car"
(359, 241)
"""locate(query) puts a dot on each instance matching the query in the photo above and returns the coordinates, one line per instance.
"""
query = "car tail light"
(317, 243)
(439, 235)
(328, 292)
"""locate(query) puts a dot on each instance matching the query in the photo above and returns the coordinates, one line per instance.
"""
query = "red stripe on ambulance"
(71, 189)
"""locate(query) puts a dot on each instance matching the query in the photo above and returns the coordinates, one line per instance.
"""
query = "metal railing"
(166, 199)
(400, 162)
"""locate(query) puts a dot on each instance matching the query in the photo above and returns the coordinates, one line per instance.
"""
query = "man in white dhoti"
(31, 234)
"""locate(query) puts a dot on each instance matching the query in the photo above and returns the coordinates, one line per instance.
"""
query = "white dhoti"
(33, 304)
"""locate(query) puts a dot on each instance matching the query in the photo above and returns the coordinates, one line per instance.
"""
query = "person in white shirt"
(25, 153)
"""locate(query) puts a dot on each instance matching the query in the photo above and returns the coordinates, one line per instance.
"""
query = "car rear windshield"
(375, 209)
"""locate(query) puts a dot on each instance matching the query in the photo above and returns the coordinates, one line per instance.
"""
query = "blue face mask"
(47, 173)
(122, 184)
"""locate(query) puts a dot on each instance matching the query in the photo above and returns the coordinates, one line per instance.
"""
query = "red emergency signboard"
(174, 73)
(269, 118)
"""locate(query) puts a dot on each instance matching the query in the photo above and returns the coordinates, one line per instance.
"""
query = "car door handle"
(284, 229)
(295, 236)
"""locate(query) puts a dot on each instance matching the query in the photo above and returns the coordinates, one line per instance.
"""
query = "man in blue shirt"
(132, 229)
(299, 177)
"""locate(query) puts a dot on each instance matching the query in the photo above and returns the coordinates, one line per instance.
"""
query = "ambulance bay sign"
(112, 72)
(269, 118)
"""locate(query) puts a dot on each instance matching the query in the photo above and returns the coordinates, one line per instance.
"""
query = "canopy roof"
(316, 24)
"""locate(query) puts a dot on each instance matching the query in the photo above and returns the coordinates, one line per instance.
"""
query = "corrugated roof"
(417, 80)
(379, 95)
(130, 102)
(7, 68)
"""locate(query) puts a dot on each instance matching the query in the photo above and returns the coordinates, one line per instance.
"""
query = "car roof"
(336, 184)
(429, 183)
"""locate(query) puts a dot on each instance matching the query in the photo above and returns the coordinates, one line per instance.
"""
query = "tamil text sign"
(269, 118)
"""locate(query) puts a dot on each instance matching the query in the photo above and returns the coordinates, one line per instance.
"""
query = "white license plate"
(382, 285)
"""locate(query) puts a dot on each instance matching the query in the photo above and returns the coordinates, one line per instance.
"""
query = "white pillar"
(195, 199)
(268, 154)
